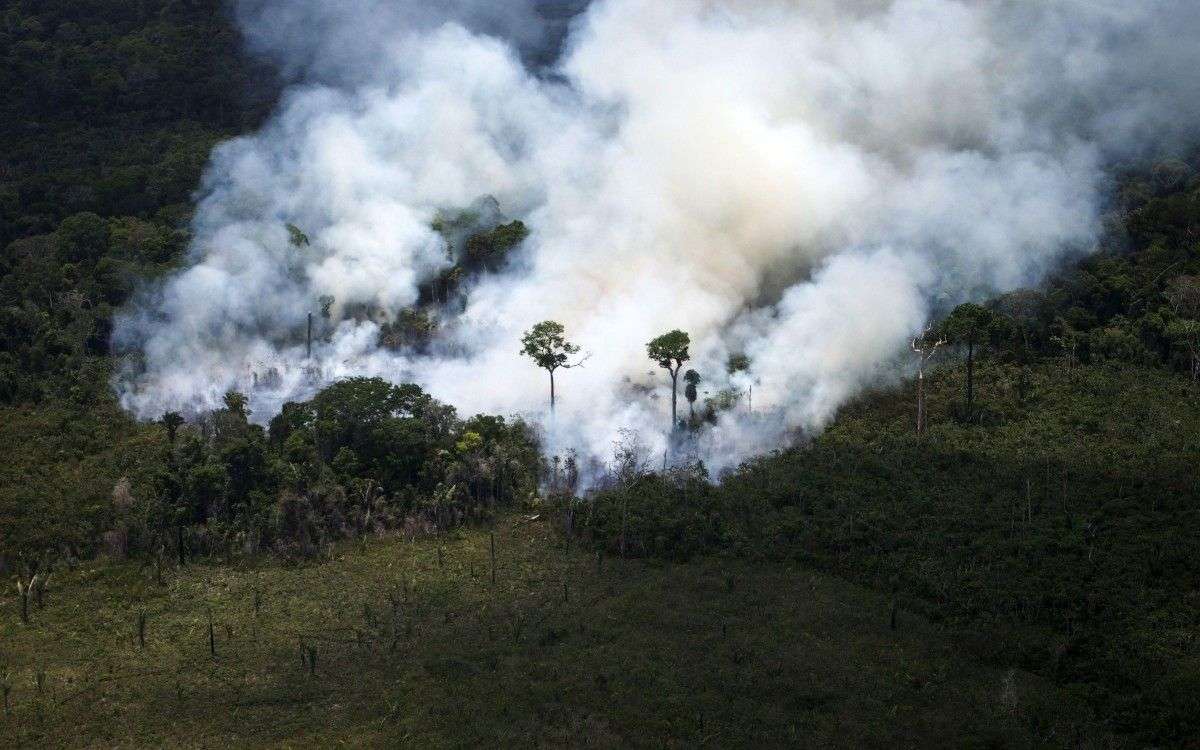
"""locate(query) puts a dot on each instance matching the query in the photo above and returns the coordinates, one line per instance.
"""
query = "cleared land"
(556, 653)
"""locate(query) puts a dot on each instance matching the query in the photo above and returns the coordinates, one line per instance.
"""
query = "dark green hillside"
(57, 477)
(398, 644)
(1059, 536)
(1049, 515)
(112, 107)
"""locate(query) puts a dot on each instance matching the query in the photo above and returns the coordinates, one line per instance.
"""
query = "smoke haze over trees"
(828, 197)
(772, 177)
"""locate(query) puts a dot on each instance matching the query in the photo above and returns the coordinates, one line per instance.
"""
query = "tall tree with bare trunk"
(968, 325)
(670, 351)
(546, 344)
(925, 346)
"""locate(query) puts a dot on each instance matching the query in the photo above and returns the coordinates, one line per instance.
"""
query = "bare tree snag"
(925, 346)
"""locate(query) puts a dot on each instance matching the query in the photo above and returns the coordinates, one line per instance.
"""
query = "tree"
(232, 422)
(1025, 315)
(741, 363)
(171, 420)
(1183, 294)
(547, 346)
(968, 326)
(202, 486)
(689, 392)
(670, 351)
(83, 238)
(297, 237)
(236, 403)
(490, 249)
(925, 346)
(1019, 323)
(384, 424)
(1066, 338)
(246, 470)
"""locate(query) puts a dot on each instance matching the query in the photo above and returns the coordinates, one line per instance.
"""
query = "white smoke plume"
(804, 182)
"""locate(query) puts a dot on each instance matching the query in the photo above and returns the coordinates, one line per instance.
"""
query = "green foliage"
(297, 237)
(82, 238)
(57, 297)
(1183, 296)
(470, 443)
(968, 324)
(737, 363)
(670, 350)
(172, 421)
(478, 240)
(723, 400)
(114, 110)
(1113, 305)
(490, 249)
(236, 404)
(412, 328)
(1057, 533)
(648, 514)
(546, 344)
(413, 639)
(362, 456)
(115, 106)
(60, 465)
(1057, 538)
(692, 378)
(451, 224)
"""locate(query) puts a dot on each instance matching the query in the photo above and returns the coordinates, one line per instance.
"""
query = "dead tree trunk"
(925, 348)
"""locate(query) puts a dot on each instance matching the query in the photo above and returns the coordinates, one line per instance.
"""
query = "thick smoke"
(804, 182)
(355, 42)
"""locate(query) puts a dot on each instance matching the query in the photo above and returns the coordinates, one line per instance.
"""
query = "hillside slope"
(393, 643)
(1059, 535)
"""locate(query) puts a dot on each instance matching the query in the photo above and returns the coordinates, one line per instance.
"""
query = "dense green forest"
(111, 110)
(1042, 514)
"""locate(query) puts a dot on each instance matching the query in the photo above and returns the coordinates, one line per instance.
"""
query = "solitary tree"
(925, 346)
(968, 326)
(670, 351)
(547, 346)
(692, 378)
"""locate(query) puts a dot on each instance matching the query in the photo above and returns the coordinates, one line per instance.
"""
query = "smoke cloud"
(803, 182)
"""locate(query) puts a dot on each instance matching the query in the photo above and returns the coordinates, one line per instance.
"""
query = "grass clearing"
(557, 653)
